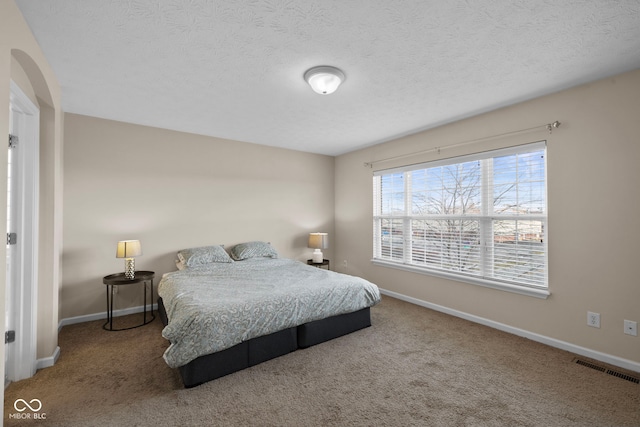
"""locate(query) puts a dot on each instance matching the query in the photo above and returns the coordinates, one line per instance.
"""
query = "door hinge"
(9, 337)
(13, 140)
(12, 238)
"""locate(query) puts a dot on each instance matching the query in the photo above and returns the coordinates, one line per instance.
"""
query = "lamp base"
(317, 257)
(130, 268)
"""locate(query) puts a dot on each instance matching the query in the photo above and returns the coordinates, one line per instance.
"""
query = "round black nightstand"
(319, 264)
(119, 279)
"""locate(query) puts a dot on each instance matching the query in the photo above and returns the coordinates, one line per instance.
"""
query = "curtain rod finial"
(552, 126)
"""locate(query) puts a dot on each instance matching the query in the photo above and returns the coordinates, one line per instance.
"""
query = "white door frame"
(25, 290)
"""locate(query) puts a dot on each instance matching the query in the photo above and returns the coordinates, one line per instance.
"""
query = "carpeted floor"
(413, 367)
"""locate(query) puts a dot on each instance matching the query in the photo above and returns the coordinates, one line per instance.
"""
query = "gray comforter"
(217, 306)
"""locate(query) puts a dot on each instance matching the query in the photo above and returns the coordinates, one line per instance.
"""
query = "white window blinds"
(482, 216)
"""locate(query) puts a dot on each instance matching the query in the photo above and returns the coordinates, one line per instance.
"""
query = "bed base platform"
(322, 330)
(257, 350)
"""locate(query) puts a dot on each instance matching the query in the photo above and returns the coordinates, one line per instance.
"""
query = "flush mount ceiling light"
(324, 79)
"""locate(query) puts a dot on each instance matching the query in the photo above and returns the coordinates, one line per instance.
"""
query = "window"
(480, 218)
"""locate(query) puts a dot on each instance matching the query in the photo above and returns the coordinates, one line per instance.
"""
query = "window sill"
(522, 290)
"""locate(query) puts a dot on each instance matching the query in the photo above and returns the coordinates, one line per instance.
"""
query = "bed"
(224, 312)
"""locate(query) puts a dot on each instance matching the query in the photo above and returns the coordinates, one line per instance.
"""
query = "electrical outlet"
(631, 328)
(593, 319)
(344, 263)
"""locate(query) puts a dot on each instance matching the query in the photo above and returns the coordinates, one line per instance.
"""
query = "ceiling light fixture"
(324, 79)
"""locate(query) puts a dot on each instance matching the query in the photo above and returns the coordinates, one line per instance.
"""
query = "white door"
(22, 235)
(12, 252)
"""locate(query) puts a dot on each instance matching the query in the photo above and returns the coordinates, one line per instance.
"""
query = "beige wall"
(22, 60)
(594, 203)
(176, 190)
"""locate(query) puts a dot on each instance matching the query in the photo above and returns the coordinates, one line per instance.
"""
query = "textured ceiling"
(233, 69)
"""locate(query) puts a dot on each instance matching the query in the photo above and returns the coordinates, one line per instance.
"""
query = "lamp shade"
(318, 240)
(128, 249)
(324, 79)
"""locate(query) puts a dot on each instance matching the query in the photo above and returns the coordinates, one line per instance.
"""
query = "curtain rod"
(549, 126)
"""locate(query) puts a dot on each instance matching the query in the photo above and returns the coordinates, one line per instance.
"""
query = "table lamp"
(129, 249)
(318, 241)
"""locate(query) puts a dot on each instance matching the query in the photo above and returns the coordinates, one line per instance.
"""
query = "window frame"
(486, 246)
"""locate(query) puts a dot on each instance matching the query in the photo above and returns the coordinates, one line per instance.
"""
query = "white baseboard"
(102, 315)
(563, 345)
(48, 361)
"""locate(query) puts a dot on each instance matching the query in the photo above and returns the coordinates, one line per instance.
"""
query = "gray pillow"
(253, 250)
(203, 255)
